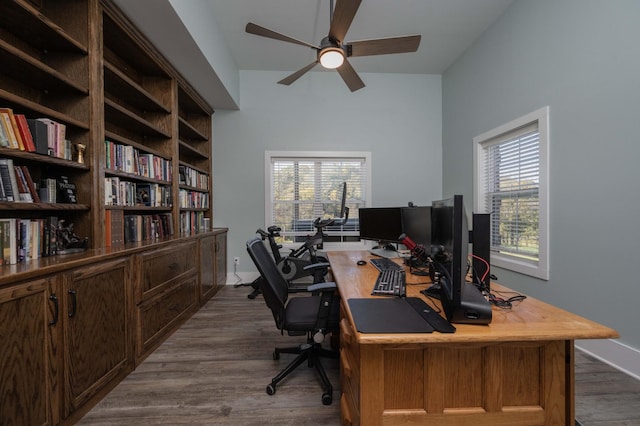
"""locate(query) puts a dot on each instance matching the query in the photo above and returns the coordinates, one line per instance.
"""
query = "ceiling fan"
(334, 51)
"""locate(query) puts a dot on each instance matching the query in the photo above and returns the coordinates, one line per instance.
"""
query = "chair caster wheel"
(272, 389)
(276, 355)
(251, 296)
(327, 399)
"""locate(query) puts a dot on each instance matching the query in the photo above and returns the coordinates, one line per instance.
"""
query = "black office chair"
(312, 315)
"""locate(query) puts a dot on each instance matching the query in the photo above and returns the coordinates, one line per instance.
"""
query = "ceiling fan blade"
(296, 75)
(343, 15)
(252, 28)
(384, 46)
(350, 76)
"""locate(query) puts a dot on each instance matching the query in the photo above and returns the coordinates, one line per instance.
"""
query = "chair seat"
(302, 314)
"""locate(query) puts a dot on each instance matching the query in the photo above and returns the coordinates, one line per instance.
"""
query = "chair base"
(310, 352)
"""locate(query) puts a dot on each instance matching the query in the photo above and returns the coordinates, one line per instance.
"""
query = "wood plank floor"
(215, 368)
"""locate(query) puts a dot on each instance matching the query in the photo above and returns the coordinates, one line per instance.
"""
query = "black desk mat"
(386, 315)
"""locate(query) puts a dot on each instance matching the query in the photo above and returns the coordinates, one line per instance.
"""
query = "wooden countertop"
(529, 320)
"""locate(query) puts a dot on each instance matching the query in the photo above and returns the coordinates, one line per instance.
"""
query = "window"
(512, 184)
(303, 186)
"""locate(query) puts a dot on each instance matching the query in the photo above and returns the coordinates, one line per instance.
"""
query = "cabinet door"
(207, 268)
(28, 323)
(98, 345)
(221, 259)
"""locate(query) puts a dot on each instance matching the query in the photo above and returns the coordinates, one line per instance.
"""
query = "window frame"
(310, 155)
(480, 142)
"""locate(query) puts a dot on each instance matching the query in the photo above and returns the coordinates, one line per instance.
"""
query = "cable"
(486, 272)
(505, 303)
(235, 274)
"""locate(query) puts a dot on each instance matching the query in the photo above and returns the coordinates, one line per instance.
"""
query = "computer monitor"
(462, 302)
(381, 224)
(416, 223)
(343, 201)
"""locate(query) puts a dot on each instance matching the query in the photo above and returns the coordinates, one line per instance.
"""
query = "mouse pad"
(388, 315)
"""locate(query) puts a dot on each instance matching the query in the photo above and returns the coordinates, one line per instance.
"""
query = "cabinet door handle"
(173, 266)
(74, 303)
(56, 309)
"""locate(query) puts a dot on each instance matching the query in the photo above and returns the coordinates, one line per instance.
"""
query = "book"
(8, 175)
(30, 184)
(25, 132)
(6, 123)
(23, 191)
(117, 227)
(66, 191)
(144, 194)
(40, 134)
(14, 126)
(107, 228)
(4, 139)
(9, 241)
(48, 190)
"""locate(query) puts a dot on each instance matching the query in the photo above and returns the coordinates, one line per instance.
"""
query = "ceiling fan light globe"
(331, 58)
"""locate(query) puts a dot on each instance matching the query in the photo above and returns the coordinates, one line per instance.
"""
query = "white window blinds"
(305, 188)
(511, 193)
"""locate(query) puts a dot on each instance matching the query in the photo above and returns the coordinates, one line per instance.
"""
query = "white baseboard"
(616, 354)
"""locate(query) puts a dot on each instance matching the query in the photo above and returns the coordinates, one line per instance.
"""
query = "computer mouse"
(361, 262)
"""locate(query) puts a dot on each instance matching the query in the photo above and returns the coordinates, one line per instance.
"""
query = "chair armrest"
(317, 266)
(322, 287)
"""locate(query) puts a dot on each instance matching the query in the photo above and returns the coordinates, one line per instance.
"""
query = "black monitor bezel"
(454, 238)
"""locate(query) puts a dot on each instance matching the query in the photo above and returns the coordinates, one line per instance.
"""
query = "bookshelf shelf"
(36, 74)
(30, 23)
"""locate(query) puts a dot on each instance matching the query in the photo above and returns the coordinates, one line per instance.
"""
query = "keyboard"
(390, 283)
(383, 264)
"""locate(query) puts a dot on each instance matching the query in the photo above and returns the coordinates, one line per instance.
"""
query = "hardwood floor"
(214, 371)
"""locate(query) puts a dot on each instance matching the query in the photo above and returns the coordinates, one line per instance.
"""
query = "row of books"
(193, 200)
(121, 228)
(125, 158)
(192, 223)
(192, 177)
(40, 135)
(17, 185)
(118, 192)
(22, 240)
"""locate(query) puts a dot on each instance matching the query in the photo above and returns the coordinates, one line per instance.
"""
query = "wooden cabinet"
(29, 323)
(72, 326)
(166, 293)
(98, 341)
(213, 264)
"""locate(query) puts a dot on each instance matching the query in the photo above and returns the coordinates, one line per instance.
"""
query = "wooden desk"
(519, 370)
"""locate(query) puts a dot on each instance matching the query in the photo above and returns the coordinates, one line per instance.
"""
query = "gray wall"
(581, 58)
(397, 118)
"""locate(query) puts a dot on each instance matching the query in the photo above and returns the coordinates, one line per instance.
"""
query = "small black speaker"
(480, 238)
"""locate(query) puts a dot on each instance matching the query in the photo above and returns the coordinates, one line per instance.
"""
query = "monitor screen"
(382, 224)
(343, 201)
(416, 223)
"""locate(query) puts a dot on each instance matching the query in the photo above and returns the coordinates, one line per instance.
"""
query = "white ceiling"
(448, 28)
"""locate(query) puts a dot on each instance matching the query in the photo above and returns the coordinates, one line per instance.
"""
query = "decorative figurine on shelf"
(80, 148)
(67, 240)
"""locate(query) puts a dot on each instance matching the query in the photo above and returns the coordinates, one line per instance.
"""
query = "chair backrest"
(273, 286)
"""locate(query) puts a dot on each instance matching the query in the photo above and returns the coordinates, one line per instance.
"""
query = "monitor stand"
(384, 252)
